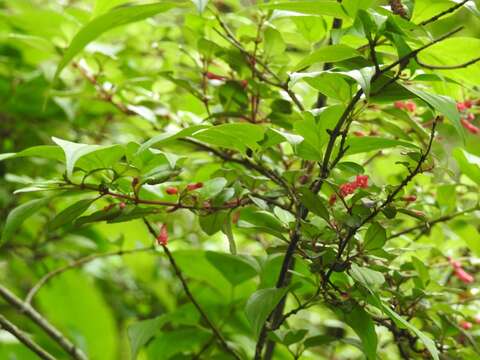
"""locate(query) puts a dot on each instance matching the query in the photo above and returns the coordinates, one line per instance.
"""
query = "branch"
(102, 93)
(43, 323)
(24, 339)
(78, 263)
(282, 85)
(271, 174)
(418, 169)
(443, 13)
(431, 223)
(190, 296)
(446, 67)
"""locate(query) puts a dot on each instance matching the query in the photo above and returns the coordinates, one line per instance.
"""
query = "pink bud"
(465, 325)
(463, 276)
(162, 238)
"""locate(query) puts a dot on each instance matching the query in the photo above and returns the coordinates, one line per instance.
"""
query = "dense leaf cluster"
(239, 179)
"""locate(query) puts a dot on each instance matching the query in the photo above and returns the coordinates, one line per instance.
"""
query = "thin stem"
(447, 67)
(190, 296)
(24, 339)
(431, 223)
(43, 323)
(443, 13)
(78, 263)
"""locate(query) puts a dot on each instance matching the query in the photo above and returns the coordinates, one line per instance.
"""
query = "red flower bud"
(410, 198)
(171, 190)
(470, 117)
(359, 133)
(468, 103)
(463, 276)
(399, 105)
(410, 106)
(122, 205)
(134, 182)
(194, 186)
(465, 325)
(162, 238)
(244, 83)
(212, 76)
(332, 199)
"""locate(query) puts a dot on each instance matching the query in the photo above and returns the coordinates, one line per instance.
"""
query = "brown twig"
(190, 296)
(78, 263)
(24, 339)
(43, 323)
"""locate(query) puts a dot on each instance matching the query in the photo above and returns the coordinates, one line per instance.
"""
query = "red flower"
(171, 190)
(399, 105)
(194, 186)
(465, 325)
(410, 106)
(461, 106)
(162, 238)
(122, 205)
(361, 181)
(468, 103)
(463, 276)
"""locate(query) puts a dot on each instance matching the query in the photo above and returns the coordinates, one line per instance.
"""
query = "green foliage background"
(147, 80)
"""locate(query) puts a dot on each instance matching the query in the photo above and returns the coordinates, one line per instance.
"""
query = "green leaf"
(17, 216)
(235, 268)
(443, 104)
(366, 276)
(213, 223)
(314, 203)
(260, 304)
(70, 214)
(167, 137)
(114, 18)
(329, 53)
(375, 237)
(42, 151)
(311, 7)
(470, 235)
(469, 164)
(73, 152)
(429, 343)
(140, 333)
(358, 145)
(227, 230)
(232, 136)
(263, 220)
(212, 187)
(361, 322)
(273, 42)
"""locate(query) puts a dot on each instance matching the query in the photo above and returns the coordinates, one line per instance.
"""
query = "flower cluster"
(410, 106)
(467, 117)
(361, 181)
